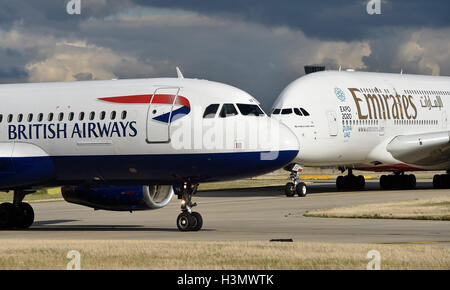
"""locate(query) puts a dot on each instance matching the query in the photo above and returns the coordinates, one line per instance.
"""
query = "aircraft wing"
(426, 149)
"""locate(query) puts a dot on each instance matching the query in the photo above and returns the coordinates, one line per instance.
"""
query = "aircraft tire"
(24, 216)
(198, 221)
(340, 183)
(301, 189)
(185, 222)
(289, 189)
(6, 215)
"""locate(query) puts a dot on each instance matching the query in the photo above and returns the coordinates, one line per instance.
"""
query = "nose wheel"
(295, 186)
(188, 220)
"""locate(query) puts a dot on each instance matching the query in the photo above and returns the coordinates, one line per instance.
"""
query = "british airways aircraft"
(368, 121)
(128, 145)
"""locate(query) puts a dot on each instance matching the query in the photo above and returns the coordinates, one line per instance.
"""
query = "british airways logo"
(72, 131)
(181, 105)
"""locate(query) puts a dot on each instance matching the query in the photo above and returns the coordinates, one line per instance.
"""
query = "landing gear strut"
(295, 186)
(350, 181)
(399, 180)
(188, 220)
(16, 215)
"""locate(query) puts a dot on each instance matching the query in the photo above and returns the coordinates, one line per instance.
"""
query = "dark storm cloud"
(324, 19)
(51, 15)
(257, 45)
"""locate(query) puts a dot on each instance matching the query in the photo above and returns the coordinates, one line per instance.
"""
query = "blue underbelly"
(140, 169)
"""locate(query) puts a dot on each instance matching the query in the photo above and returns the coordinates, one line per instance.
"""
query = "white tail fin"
(179, 74)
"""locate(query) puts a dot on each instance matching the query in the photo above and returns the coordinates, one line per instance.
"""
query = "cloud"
(257, 47)
(325, 19)
(422, 51)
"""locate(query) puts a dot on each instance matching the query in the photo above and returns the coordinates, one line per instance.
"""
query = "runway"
(245, 214)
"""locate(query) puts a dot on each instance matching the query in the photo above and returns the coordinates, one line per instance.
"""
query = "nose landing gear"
(188, 220)
(16, 215)
(295, 186)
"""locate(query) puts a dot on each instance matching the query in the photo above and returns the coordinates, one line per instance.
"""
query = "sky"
(259, 46)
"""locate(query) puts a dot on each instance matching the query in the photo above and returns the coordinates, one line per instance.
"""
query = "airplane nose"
(288, 140)
(285, 146)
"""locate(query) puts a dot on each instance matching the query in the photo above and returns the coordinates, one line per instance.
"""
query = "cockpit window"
(305, 113)
(286, 111)
(228, 110)
(276, 112)
(250, 110)
(210, 111)
(298, 112)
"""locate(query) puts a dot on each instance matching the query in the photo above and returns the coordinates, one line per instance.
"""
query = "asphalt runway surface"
(245, 214)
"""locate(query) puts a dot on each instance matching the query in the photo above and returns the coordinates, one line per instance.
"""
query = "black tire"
(289, 189)
(301, 189)
(6, 215)
(24, 216)
(384, 183)
(198, 221)
(361, 182)
(340, 183)
(437, 181)
(412, 181)
(185, 222)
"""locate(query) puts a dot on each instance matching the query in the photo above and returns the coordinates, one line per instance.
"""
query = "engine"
(119, 198)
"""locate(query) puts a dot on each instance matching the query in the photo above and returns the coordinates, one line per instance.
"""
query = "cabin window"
(10, 118)
(276, 112)
(113, 115)
(92, 116)
(40, 117)
(1, 118)
(81, 116)
(286, 111)
(30, 117)
(19, 118)
(124, 115)
(61, 117)
(102, 115)
(228, 110)
(50, 117)
(210, 111)
(250, 110)
(71, 116)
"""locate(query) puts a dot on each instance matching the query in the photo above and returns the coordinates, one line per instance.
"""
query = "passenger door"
(332, 123)
(159, 115)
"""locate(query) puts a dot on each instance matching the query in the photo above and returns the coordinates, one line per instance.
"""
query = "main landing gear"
(295, 186)
(399, 180)
(188, 220)
(16, 215)
(441, 180)
(350, 181)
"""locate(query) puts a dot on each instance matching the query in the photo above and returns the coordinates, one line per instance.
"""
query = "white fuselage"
(353, 116)
(143, 131)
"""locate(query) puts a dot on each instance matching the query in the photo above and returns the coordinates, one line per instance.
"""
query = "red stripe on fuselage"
(145, 99)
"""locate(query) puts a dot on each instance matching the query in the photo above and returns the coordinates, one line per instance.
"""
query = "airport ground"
(238, 226)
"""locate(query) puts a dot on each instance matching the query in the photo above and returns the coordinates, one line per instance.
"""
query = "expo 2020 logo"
(339, 94)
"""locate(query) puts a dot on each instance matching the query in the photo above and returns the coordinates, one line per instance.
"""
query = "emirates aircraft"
(377, 122)
(128, 145)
